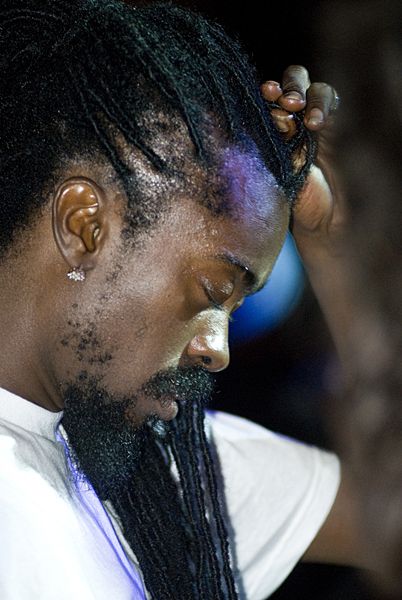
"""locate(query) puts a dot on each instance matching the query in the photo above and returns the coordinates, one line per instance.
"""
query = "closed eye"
(212, 301)
(220, 305)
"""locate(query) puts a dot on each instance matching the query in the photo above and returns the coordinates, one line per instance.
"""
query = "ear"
(80, 224)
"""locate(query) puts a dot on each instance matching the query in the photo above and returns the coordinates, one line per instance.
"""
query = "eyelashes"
(219, 305)
(217, 291)
(212, 301)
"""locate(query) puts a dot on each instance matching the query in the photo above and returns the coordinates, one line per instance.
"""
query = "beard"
(105, 445)
(174, 523)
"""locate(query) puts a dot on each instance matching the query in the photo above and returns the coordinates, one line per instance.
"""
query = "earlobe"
(79, 222)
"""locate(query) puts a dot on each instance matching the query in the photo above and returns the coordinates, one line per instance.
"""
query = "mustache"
(89, 404)
(183, 384)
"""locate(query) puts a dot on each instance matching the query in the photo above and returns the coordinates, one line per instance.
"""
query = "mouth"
(167, 391)
(166, 408)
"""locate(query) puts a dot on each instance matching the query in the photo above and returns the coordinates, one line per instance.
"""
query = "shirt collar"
(28, 415)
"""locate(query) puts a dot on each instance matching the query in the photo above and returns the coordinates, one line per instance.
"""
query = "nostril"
(207, 351)
(206, 360)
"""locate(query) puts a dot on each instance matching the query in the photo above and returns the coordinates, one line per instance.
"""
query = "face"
(148, 321)
(167, 303)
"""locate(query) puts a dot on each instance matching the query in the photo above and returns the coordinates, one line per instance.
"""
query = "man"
(145, 193)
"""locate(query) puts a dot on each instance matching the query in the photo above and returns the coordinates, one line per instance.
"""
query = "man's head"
(135, 146)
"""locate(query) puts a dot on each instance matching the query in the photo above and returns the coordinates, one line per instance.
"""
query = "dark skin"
(167, 303)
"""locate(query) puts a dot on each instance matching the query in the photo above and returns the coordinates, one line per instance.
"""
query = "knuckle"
(320, 87)
(297, 69)
(314, 99)
(295, 78)
(293, 85)
(320, 93)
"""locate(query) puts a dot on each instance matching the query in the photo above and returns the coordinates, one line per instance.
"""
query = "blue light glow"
(270, 307)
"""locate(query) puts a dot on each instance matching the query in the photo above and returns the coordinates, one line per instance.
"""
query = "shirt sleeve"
(278, 494)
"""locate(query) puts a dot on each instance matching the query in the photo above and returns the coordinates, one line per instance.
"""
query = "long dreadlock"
(76, 76)
(183, 552)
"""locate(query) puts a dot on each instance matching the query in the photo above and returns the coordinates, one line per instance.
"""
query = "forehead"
(235, 209)
(252, 225)
(257, 208)
(251, 188)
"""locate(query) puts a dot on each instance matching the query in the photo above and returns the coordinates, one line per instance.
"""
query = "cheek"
(126, 339)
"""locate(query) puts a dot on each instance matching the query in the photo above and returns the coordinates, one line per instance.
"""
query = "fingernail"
(293, 97)
(282, 119)
(282, 125)
(316, 117)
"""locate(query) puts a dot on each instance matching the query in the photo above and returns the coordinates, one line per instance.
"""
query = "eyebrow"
(252, 284)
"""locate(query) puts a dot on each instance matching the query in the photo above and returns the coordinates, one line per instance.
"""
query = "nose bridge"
(209, 345)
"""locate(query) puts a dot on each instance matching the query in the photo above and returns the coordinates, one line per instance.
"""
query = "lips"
(166, 408)
(167, 390)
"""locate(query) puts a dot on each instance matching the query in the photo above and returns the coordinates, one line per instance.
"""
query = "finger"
(321, 100)
(295, 83)
(284, 122)
(271, 91)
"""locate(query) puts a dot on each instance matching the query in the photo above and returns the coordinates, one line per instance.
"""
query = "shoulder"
(39, 532)
(256, 447)
(278, 493)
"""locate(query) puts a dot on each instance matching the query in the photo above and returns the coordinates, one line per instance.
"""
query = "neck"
(21, 369)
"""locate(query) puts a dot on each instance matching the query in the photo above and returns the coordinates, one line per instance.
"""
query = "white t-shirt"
(58, 541)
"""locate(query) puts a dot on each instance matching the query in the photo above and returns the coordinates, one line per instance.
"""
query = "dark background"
(279, 380)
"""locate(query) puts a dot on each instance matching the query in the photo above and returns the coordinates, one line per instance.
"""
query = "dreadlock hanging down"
(89, 79)
(182, 552)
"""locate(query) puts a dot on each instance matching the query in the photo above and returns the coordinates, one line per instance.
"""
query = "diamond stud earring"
(76, 274)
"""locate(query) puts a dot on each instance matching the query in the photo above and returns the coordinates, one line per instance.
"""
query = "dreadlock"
(183, 553)
(74, 73)
(88, 78)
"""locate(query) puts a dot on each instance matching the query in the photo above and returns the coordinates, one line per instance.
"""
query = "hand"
(319, 213)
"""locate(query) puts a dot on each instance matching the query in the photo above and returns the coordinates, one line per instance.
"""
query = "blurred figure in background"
(365, 56)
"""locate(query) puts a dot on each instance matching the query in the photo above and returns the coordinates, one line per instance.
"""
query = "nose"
(210, 350)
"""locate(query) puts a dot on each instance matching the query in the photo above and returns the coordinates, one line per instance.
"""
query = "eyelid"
(220, 306)
(224, 290)
(212, 300)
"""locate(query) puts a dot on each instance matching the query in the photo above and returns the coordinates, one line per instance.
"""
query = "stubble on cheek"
(95, 340)
(82, 340)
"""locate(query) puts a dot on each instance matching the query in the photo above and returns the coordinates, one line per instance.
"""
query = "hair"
(82, 78)
(363, 45)
(183, 553)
